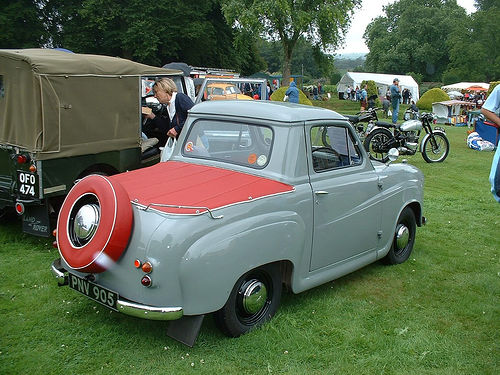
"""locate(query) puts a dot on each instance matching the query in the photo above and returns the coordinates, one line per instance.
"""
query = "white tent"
(383, 82)
(464, 85)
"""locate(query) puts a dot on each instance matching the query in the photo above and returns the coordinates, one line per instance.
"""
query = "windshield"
(230, 142)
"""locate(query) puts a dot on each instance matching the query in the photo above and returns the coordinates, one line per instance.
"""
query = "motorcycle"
(405, 137)
(369, 116)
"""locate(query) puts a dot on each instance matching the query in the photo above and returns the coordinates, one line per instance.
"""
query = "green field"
(438, 313)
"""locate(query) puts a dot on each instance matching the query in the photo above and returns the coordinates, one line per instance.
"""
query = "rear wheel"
(255, 298)
(375, 144)
(435, 148)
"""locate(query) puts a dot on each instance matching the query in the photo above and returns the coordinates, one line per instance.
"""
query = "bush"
(279, 94)
(418, 77)
(432, 96)
(492, 86)
(330, 88)
(371, 90)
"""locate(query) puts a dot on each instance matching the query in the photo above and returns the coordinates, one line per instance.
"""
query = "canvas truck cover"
(58, 104)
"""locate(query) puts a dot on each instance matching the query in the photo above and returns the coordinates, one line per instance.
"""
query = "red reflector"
(54, 232)
(21, 159)
(19, 208)
(147, 267)
(137, 263)
(54, 244)
(146, 281)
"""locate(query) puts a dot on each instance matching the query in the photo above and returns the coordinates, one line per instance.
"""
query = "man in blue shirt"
(395, 97)
(491, 110)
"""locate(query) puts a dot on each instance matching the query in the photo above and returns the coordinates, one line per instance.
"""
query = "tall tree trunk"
(287, 60)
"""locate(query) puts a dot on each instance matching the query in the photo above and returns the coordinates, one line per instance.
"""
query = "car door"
(345, 190)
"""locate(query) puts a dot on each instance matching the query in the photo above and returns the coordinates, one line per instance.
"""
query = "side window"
(333, 147)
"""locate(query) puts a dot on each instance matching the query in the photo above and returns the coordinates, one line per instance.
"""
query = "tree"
(154, 33)
(21, 25)
(308, 60)
(321, 22)
(412, 36)
(473, 55)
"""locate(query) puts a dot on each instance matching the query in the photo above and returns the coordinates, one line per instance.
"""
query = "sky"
(354, 42)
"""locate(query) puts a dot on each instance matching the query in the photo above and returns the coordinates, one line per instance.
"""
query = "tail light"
(146, 281)
(22, 159)
(19, 208)
(147, 267)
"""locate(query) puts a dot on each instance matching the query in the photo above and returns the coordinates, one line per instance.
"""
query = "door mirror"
(393, 154)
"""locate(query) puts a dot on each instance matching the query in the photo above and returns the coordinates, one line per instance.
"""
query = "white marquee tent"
(463, 85)
(383, 82)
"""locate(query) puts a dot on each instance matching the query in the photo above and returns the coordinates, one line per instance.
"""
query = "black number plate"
(28, 183)
(96, 292)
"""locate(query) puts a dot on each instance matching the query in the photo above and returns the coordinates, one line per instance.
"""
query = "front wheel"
(375, 143)
(435, 148)
(404, 238)
(255, 298)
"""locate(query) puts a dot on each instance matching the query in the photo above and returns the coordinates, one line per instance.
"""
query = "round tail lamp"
(146, 281)
(22, 159)
(147, 267)
(19, 208)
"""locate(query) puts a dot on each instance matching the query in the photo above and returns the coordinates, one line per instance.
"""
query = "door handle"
(320, 192)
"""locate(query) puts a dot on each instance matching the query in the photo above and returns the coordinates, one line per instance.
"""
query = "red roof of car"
(196, 186)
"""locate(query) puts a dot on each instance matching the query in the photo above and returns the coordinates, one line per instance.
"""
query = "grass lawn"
(438, 313)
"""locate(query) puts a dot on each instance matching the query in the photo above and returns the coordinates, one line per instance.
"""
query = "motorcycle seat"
(352, 118)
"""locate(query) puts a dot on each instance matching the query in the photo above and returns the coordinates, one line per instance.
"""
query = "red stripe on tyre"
(113, 231)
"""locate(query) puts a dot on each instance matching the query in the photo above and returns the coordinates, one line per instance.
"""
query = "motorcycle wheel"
(435, 148)
(373, 144)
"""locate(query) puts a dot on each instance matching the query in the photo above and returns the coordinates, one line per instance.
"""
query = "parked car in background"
(225, 91)
(231, 89)
(64, 116)
(257, 195)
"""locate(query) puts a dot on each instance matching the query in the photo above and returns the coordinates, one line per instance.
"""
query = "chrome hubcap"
(402, 236)
(86, 222)
(254, 296)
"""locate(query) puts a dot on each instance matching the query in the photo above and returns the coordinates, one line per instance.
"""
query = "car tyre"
(254, 300)
(104, 245)
(404, 238)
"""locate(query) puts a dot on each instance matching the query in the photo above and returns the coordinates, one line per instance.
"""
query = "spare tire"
(94, 224)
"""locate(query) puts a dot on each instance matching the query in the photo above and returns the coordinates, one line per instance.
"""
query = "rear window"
(230, 142)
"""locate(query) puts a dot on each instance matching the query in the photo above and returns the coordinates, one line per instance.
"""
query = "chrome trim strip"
(149, 312)
(197, 208)
(126, 307)
(53, 189)
(151, 206)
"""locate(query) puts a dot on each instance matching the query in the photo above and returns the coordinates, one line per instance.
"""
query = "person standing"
(177, 105)
(364, 98)
(491, 110)
(292, 93)
(395, 98)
